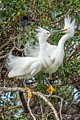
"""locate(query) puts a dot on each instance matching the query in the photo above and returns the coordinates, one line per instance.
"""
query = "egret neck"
(60, 47)
(42, 44)
(63, 40)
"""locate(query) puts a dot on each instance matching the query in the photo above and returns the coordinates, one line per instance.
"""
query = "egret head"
(69, 27)
(42, 34)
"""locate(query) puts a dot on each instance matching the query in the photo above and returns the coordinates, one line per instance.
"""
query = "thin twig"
(30, 109)
(6, 89)
(6, 43)
(61, 108)
(19, 49)
(17, 106)
(49, 115)
(42, 113)
(3, 56)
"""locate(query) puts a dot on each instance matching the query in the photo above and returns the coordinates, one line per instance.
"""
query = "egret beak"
(54, 31)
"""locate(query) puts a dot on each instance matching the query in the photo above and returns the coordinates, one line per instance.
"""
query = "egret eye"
(65, 29)
(47, 32)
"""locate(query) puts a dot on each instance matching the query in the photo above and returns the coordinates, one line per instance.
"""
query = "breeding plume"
(56, 53)
(26, 67)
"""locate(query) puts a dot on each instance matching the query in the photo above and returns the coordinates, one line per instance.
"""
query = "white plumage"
(21, 67)
(56, 53)
(47, 57)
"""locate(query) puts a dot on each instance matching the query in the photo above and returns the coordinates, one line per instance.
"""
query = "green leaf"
(52, 14)
(18, 37)
(1, 21)
(19, 44)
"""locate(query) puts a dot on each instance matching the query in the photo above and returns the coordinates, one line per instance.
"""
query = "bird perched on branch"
(56, 53)
(27, 67)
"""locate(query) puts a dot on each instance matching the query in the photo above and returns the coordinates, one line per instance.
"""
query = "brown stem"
(21, 95)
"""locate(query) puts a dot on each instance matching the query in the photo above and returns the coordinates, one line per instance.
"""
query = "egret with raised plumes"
(27, 67)
(48, 58)
(56, 53)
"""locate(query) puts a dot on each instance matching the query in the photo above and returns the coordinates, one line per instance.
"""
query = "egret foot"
(29, 90)
(51, 90)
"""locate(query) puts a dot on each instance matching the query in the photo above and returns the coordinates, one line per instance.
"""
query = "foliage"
(16, 30)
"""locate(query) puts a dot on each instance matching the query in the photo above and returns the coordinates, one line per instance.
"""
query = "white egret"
(26, 67)
(56, 53)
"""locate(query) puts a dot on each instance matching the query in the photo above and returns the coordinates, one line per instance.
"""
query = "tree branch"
(28, 102)
(42, 96)
(5, 89)
(22, 98)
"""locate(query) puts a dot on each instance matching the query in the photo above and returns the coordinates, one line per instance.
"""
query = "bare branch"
(6, 43)
(77, 50)
(17, 106)
(3, 56)
(5, 89)
(48, 115)
(42, 113)
(30, 109)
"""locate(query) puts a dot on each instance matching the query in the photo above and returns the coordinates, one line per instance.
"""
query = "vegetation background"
(18, 20)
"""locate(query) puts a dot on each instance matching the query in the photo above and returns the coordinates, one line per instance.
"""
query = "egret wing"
(31, 50)
(20, 66)
(50, 49)
(12, 61)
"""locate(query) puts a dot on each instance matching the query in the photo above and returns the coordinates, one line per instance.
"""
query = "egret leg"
(46, 79)
(24, 83)
(50, 88)
(29, 90)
